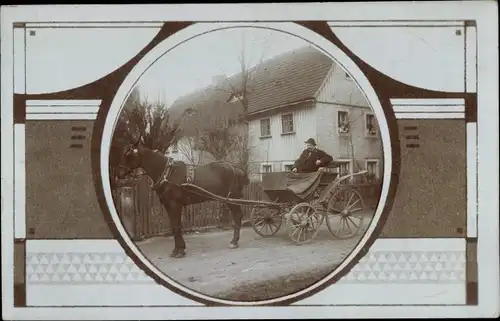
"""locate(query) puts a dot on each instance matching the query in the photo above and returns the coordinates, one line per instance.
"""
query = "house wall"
(339, 145)
(317, 120)
(340, 93)
(340, 89)
(280, 148)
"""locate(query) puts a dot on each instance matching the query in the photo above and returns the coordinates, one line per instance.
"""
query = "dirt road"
(259, 269)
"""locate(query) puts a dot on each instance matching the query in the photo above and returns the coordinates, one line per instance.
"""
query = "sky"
(193, 64)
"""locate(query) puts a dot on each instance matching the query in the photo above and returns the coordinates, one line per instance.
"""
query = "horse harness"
(228, 164)
(167, 171)
(190, 173)
(165, 175)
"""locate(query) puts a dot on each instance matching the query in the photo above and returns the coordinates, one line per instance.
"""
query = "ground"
(261, 268)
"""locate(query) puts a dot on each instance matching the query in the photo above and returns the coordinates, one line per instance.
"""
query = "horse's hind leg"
(174, 211)
(237, 214)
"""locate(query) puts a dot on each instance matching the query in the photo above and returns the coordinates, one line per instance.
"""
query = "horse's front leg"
(174, 211)
(237, 214)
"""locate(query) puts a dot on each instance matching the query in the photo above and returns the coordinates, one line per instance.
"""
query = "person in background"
(311, 158)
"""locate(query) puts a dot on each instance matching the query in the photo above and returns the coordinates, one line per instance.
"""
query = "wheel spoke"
(300, 234)
(338, 228)
(306, 233)
(349, 201)
(350, 219)
(348, 226)
(263, 222)
(335, 209)
(350, 206)
(317, 222)
(259, 222)
(312, 222)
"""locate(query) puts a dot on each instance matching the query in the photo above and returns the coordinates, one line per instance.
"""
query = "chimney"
(218, 79)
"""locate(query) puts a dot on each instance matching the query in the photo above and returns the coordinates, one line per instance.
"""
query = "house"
(291, 97)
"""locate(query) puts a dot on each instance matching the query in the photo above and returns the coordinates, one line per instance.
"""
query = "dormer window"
(190, 111)
(235, 97)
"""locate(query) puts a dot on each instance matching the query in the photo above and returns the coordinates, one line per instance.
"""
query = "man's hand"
(318, 162)
(294, 170)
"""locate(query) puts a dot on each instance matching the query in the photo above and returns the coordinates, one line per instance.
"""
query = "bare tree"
(209, 132)
(239, 90)
(153, 124)
(148, 122)
(188, 146)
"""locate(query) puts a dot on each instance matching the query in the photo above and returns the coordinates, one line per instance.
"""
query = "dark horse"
(220, 178)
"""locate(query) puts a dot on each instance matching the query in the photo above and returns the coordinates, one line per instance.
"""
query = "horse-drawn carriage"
(304, 200)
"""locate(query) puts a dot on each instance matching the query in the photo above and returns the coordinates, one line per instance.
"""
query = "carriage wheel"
(266, 221)
(344, 216)
(304, 222)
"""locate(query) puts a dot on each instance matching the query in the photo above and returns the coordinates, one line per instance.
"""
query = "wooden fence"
(143, 216)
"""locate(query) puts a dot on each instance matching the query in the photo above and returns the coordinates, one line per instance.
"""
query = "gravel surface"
(261, 268)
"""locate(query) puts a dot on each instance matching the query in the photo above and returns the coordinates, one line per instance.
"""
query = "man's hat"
(311, 141)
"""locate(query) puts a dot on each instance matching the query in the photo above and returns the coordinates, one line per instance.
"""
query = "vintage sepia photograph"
(264, 161)
(246, 164)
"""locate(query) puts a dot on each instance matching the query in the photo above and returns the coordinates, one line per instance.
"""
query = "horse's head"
(130, 159)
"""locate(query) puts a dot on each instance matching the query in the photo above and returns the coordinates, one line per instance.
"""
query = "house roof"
(284, 79)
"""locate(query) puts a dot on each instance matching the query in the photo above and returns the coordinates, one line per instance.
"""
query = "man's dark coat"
(307, 160)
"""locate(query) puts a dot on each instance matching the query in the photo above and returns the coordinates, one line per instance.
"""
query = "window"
(347, 76)
(370, 128)
(265, 127)
(345, 167)
(287, 167)
(372, 169)
(235, 97)
(343, 124)
(287, 124)
(267, 168)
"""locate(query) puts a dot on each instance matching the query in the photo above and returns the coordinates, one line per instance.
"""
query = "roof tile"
(289, 77)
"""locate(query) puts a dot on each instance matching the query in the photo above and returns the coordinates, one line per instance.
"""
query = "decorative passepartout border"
(90, 273)
(338, 311)
(41, 110)
(93, 272)
(415, 108)
(62, 109)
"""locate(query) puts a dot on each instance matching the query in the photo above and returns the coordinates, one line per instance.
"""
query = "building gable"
(285, 79)
(339, 88)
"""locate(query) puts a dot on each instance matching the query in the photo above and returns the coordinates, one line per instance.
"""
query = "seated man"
(311, 158)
